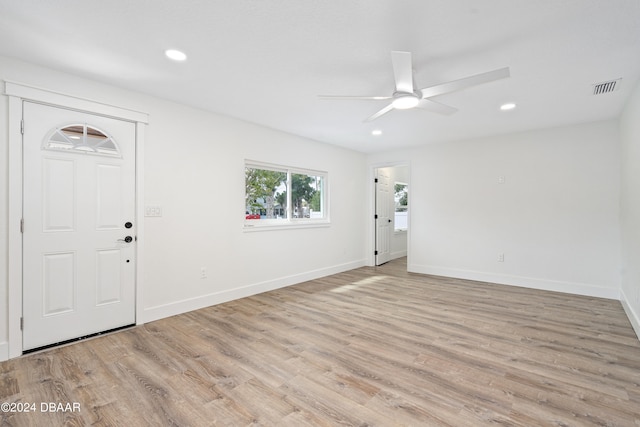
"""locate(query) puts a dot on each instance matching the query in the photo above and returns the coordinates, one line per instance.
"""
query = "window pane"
(81, 138)
(277, 196)
(401, 197)
(307, 196)
(265, 194)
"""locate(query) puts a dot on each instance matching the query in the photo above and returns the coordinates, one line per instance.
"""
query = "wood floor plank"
(375, 346)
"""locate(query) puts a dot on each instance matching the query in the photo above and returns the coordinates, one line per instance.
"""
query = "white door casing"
(78, 274)
(384, 223)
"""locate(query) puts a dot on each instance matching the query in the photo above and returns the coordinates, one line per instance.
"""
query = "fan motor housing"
(405, 100)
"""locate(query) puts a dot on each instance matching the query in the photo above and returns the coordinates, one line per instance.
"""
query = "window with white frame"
(81, 139)
(279, 195)
(401, 199)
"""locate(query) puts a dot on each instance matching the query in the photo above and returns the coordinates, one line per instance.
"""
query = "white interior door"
(79, 231)
(384, 223)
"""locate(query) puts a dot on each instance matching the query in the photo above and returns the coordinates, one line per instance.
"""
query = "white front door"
(384, 223)
(79, 233)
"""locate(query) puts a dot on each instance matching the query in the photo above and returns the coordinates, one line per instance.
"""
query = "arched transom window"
(81, 138)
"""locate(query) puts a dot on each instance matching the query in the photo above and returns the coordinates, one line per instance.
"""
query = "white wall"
(630, 208)
(194, 169)
(196, 173)
(555, 218)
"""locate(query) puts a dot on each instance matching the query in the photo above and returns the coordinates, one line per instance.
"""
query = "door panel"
(384, 224)
(59, 284)
(109, 203)
(58, 198)
(108, 276)
(79, 191)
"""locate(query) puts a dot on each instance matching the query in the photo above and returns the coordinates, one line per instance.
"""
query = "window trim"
(289, 222)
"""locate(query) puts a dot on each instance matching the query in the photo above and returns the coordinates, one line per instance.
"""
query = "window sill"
(248, 227)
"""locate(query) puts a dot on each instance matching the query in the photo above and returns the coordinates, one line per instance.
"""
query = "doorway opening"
(391, 213)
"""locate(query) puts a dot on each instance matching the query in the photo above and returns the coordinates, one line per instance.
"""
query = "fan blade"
(353, 98)
(464, 83)
(402, 71)
(382, 112)
(436, 107)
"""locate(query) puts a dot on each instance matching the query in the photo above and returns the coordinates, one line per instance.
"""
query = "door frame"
(371, 223)
(17, 93)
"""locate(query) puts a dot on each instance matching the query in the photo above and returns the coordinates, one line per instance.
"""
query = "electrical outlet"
(500, 257)
(203, 272)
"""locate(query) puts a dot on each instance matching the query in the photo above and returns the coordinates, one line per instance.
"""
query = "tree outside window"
(277, 193)
(263, 193)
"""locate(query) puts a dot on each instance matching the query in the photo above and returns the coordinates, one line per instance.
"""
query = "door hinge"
(22, 323)
(376, 216)
(375, 180)
(375, 253)
(22, 126)
(22, 225)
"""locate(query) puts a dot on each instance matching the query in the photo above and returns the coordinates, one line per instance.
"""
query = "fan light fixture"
(406, 96)
(404, 101)
(176, 55)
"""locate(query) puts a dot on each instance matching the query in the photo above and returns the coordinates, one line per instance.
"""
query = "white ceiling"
(266, 61)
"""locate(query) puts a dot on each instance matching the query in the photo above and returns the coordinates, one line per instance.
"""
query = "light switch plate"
(152, 210)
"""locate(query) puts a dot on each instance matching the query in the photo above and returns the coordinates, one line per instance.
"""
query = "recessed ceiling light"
(376, 132)
(508, 106)
(176, 55)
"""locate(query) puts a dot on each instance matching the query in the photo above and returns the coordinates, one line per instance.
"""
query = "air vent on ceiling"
(605, 87)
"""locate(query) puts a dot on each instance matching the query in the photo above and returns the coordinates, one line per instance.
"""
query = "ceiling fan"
(406, 96)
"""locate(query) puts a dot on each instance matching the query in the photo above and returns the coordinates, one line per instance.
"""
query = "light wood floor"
(373, 346)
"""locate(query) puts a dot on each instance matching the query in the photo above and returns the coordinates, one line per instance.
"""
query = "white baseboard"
(634, 317)
(4, 351)
(184, 306)
(526, 282)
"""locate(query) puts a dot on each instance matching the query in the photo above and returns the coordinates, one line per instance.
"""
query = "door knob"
(127, 239)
